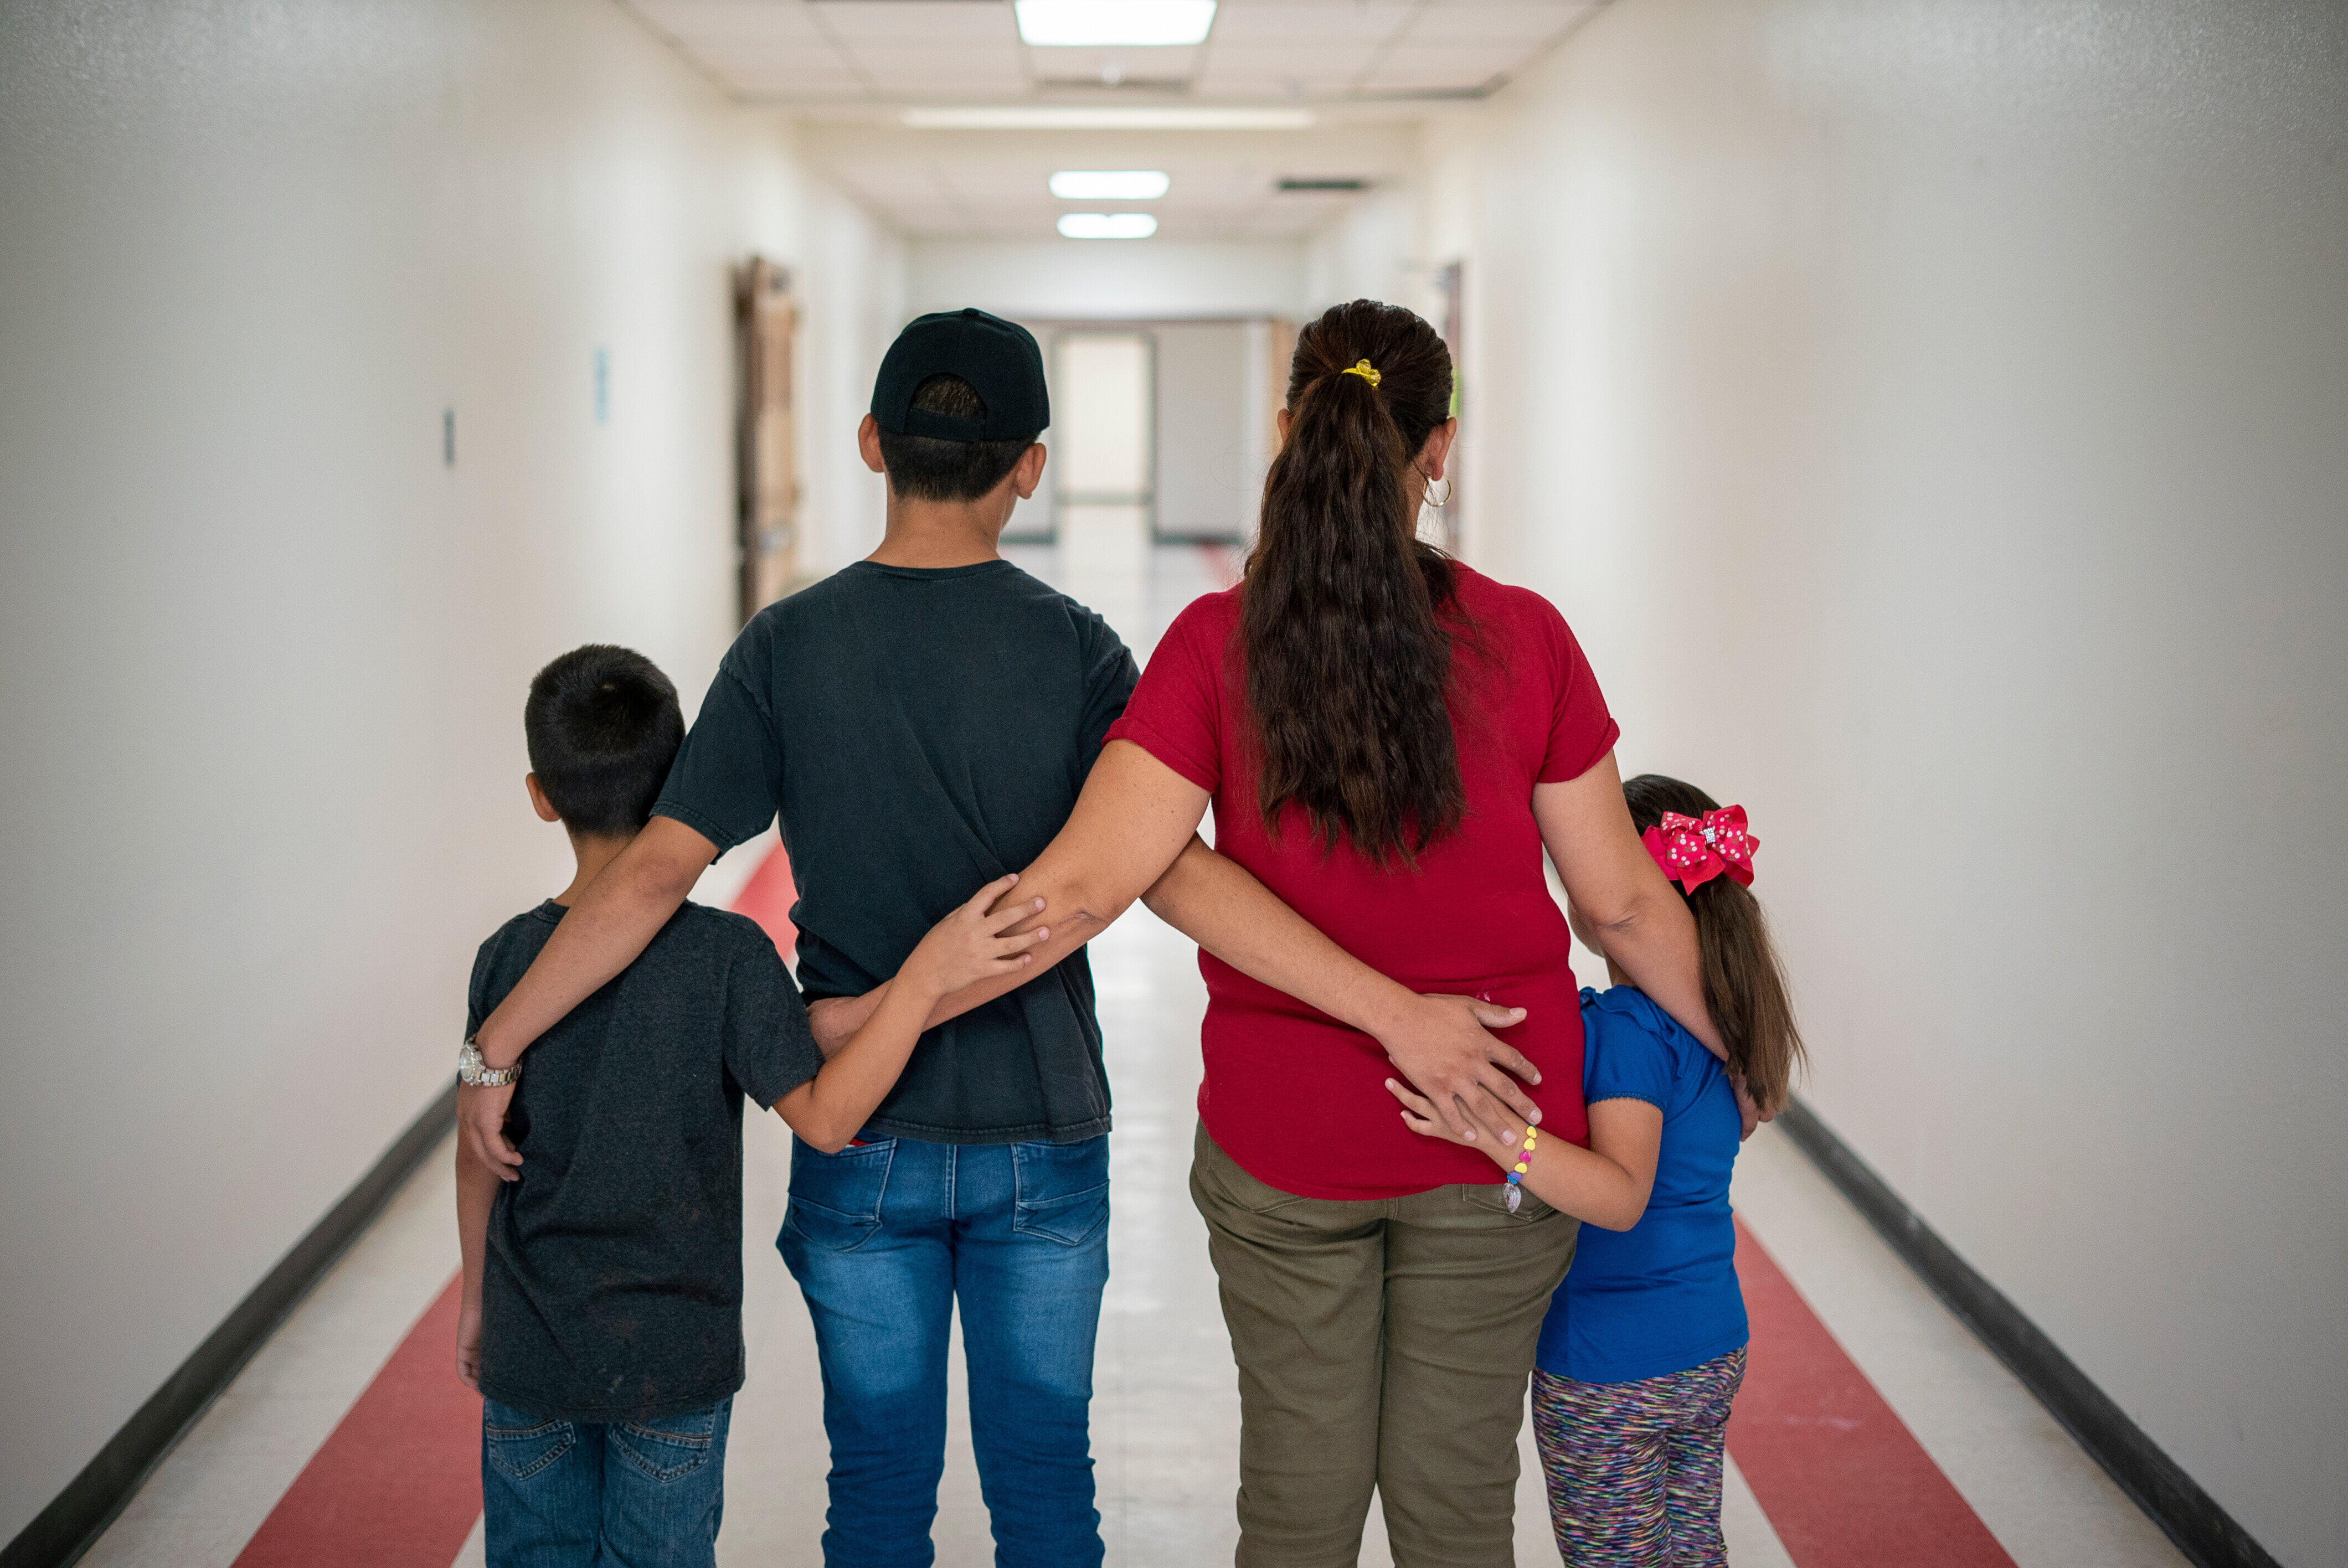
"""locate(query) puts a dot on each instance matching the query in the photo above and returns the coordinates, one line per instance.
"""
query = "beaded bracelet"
(1517, 1176)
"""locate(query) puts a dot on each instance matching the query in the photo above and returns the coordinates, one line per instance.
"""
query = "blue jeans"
(883, 1239)
(559, 1493)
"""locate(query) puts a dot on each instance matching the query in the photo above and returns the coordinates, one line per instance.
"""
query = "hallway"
(265, 1481)
(1928, 417)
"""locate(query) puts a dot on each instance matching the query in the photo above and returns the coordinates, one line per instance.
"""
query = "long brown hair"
(1744, 986)
(1343, 611)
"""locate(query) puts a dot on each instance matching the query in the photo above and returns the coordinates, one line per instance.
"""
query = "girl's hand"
(969, 945)
(1496, 1135)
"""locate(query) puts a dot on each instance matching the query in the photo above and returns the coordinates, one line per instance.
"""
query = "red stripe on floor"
(1843, 1480)
(767, 898)
(399, 1484)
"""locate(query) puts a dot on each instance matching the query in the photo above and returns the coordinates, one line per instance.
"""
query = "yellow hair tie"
(1364, 369)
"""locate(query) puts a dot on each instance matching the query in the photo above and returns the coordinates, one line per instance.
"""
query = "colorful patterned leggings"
(1634, 1469)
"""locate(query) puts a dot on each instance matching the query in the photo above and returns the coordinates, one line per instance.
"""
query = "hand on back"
(1448, 1054)
(481, 1123)
(971, 945)
(1499, 1131)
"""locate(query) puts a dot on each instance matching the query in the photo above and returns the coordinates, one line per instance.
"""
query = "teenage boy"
(602, 1317)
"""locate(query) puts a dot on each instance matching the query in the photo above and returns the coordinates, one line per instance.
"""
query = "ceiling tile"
(1291, 58)
(1527, 25)
(1161, 63)
(1008, 83)
(978, 60)
(908, 21)
(797, 89)
(799, 55)
(709, 21)
(1247, 24)
(1411, 65)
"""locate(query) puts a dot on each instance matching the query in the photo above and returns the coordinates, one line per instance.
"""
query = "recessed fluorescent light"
(1114, 24)
(1109, 184)
(1107, 225)
(1080, 117)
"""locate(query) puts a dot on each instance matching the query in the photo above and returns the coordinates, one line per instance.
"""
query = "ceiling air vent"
(1316, 185)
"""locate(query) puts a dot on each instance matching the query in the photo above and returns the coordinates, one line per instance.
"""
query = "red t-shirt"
(1298, 1099)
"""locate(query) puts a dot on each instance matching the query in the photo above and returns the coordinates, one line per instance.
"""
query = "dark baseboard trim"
(2204, 1531)
(61, 1532)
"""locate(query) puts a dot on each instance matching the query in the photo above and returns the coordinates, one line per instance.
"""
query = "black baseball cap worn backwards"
(998, 358)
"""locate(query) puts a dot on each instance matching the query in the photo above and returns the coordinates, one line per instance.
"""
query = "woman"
(1389, 741)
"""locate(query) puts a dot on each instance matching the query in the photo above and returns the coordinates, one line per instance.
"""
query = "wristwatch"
(475, 1073)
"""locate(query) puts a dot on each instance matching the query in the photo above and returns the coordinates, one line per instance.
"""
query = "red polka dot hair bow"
(1693, 850)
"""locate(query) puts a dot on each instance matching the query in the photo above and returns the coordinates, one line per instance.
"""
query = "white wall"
(1935, 421)
(1210, 428)
(1371, 251)
(855, 305)
(1070, 279)
(261, 655)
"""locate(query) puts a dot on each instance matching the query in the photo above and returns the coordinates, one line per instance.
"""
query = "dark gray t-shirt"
(920, 733)
(613, 1286)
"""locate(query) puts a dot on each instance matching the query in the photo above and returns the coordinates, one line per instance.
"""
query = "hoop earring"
(1439, 502)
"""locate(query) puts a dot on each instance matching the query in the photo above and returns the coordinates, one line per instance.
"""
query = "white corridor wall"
(262, 653)
(1934, 419)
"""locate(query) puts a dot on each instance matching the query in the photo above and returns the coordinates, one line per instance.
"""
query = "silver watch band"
(476, 1073)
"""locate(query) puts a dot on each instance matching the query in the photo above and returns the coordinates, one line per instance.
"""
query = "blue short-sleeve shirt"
(1661, 1297)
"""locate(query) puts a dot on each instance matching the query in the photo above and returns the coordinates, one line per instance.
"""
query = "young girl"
(1644, 1343)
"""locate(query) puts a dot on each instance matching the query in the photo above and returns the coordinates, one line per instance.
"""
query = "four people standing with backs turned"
(1390, 742)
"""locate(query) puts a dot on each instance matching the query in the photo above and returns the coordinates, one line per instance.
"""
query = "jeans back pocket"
(672, 1448)
(1060, 1190)
(836, 1198)
(518, 1443)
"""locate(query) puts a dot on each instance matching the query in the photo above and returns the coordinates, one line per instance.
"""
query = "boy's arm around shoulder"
(613, 921)
(831, 1103)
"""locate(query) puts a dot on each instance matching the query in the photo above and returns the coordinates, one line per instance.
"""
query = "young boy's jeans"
(883, 1238)
(557, 1494)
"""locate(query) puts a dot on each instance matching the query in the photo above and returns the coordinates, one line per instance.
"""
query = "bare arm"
(1133, 831)
(1439, 1044)
(1610, 876)
(1134, 817)
(1608, 1184)
(970, 945)
(476, 1189)
(617, 917)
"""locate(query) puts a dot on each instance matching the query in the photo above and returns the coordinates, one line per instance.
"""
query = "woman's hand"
(1495, 1135)
(1442, 1045)
(970, 945)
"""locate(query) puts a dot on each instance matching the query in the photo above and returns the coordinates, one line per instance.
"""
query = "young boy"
(602, 1299)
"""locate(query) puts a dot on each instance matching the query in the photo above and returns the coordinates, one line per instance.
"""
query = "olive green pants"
(1380, 1344)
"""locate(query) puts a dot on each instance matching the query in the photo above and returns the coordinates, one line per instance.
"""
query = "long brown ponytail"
(1744, 986)
(1341, 620)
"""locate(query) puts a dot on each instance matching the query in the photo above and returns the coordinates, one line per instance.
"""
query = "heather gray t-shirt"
(613, 1286)
(920, 733)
